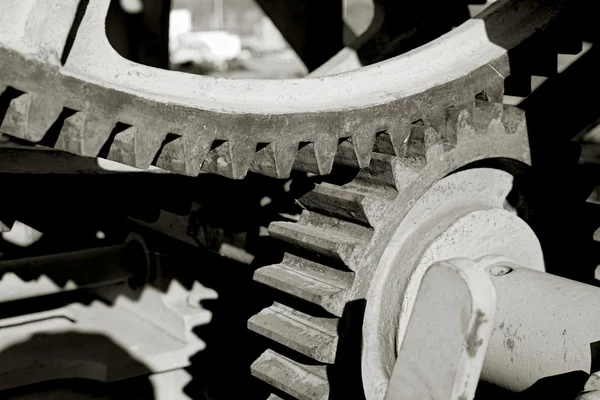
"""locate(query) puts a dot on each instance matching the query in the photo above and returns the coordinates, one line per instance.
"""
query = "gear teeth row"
(304, 382)
(133, 118)
(328, 244)
(96, 133)
(12, 287)
(315, 337)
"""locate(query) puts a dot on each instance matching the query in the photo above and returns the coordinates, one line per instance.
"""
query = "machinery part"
(135, 322)
(521, 352)
(559, 340)
(442, 353)
(343, 233)
(340, 238)
(462, 215)
(98, 104)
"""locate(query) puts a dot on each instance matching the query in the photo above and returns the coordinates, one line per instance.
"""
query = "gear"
(332, 253)
(98, 104)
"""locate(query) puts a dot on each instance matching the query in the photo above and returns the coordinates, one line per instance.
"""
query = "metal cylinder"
(545, 325)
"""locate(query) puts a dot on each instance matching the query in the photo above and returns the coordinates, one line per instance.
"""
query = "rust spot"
(473, 340)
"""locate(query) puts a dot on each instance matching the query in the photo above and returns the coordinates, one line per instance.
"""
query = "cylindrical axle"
(545, 325)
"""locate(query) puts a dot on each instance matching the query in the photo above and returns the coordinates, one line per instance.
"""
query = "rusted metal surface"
(98, 104)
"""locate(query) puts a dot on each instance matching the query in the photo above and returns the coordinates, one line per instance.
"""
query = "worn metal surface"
(333, 251)
(561, 338)
(442, 353)
(462, 215)
(98, 104)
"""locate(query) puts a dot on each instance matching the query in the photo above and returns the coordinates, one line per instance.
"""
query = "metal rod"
(545, 325)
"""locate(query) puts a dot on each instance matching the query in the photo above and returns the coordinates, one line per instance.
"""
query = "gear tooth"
(196, 146)
(30, 116)
(17, 114)
(317, 157)
(315, 337)
(394, 140)
(348, 204)
(424, 143)
(147, 142)
(487, 118)
(300, 381)
(389, 175)
(172, 155)
(275, 159)
(338, 245)
(356, 150)
(122, 149)
(314, 282)
(43, 112)
(514, 120)
(229, 158)
(97, 129)
(70, 138)
(458, 127)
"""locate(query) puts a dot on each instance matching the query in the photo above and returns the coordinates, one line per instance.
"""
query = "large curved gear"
(99, 104)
